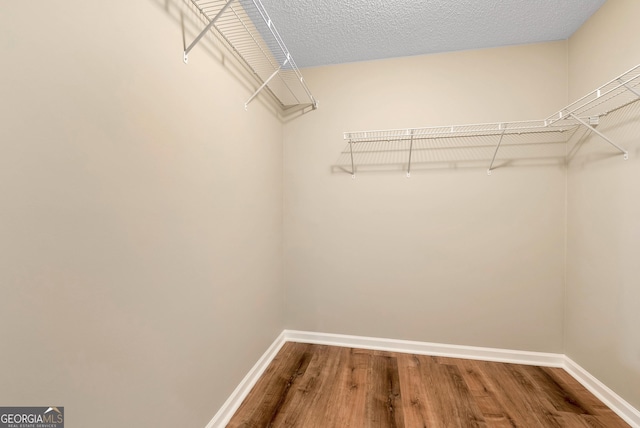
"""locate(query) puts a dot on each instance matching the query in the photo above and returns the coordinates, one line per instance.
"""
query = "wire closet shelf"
(585, 112)
(247, 30)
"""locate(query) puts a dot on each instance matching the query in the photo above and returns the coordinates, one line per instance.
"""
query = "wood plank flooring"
(317, 386)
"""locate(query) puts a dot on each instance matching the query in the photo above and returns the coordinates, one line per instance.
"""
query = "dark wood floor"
(324, 386)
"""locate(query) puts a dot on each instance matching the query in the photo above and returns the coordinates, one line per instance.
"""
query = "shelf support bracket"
(410, 151)
(266, 82)
(604, 137)
(353, 169)
(496, 151)
(629, 88)
(206, 29)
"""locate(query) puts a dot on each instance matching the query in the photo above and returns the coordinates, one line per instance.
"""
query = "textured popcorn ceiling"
(320, 32)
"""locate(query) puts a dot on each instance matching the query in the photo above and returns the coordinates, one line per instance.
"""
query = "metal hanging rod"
(584, 112)
(245, 27)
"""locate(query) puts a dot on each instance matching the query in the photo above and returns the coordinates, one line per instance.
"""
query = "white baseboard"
(426, 348)
(616, 403)
(597, 388)
(222, 418)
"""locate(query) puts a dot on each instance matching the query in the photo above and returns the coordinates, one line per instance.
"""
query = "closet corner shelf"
(585, 112)
(247, 30)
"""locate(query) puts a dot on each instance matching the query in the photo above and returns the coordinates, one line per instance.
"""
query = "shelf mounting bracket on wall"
(205, 31)
(410, 152)
(266, 82)
(246, 30)
(504, 128)
(637, 94)
(353, 168)
(604, 137)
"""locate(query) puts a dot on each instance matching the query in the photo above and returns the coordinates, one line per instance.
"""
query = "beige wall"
(141, 213)
(449, 255)
(140, 217)
(603, 297)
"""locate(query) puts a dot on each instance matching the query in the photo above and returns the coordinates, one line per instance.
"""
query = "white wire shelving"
(247, 30)
(558, 127)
